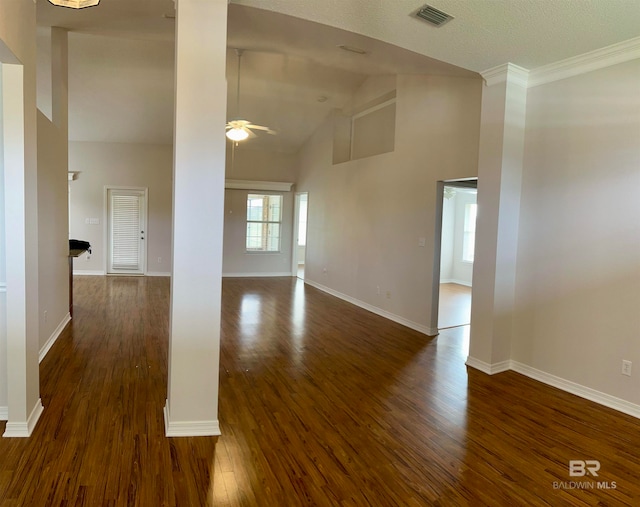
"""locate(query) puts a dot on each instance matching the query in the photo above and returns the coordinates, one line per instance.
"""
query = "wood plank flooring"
(321, 404)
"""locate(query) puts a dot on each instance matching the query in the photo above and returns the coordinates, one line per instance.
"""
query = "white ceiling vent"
(433, 15)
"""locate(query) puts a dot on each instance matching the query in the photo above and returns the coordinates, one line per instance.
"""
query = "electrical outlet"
(46, 316)
(159, 260)
(388, 294)
(626, 367)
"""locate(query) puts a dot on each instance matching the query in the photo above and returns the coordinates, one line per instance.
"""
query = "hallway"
(322, 404)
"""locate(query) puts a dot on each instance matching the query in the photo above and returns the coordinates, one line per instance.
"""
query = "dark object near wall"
(77, 244)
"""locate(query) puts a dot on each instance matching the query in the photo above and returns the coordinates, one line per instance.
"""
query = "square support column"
(501, 154)
(21, 256)
(198, 214)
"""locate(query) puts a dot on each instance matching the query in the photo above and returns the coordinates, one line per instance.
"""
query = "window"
(302, 221)
(264, 217)
(469, 238)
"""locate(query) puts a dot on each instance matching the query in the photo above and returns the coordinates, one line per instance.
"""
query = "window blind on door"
(125, 230)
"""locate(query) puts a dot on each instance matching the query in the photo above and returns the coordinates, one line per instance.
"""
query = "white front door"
(127, 212)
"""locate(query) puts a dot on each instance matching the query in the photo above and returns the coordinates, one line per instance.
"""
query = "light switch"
(422, 242)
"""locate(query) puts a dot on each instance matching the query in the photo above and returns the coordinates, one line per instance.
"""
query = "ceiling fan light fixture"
(237, 134)
(75, 4)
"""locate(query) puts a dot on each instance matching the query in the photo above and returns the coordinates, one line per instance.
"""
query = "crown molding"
(274, 186)
(588, 62)
(508, 72)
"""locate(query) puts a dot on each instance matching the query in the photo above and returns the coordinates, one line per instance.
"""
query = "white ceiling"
(121, 54)
(484, 33)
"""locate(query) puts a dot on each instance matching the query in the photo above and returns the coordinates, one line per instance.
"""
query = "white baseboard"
(4, 413)
(552, 380)
(86, 272)
(489, 369)
(458, 282)
(429, 331)
(579, 390)
(54, 336)
(24, 429)
(256, 275)
(189, 428)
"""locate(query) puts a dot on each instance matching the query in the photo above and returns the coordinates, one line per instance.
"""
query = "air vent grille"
(433, 15)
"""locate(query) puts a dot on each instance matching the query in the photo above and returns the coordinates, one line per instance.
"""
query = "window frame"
(266, 223)
(469, 233)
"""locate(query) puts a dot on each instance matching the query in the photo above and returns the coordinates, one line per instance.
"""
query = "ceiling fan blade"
(237, 123)
(262, 128)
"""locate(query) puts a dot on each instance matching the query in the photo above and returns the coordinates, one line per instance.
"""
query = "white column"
(21, 241)
(4, 404)
(60, 79)
(198, 197)
(499, 187)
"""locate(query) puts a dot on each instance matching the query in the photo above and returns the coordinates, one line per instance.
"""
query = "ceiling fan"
(239, 129)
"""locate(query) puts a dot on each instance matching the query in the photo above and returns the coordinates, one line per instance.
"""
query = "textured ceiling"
(484, 33)
(122, 91)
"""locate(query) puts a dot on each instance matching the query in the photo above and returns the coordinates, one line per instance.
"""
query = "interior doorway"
(300, 234)
(457, 201)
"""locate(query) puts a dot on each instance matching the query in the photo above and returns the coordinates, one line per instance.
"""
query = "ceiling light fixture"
(75, 4)
(237, 134)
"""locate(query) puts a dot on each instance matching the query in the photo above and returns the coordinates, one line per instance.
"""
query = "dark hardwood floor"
(321, 404)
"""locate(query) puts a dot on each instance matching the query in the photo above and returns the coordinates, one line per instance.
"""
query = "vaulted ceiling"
(121, 54)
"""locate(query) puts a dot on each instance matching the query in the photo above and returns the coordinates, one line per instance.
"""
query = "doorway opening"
(455, 249)
(300, 235)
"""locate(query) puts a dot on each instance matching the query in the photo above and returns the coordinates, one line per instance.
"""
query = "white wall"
(121, 164)
(366, 216)
(53, 229)
(44, 74)
(236, 260)
(578, 275)
(245, 163)
(134, 80)
(53, 164)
